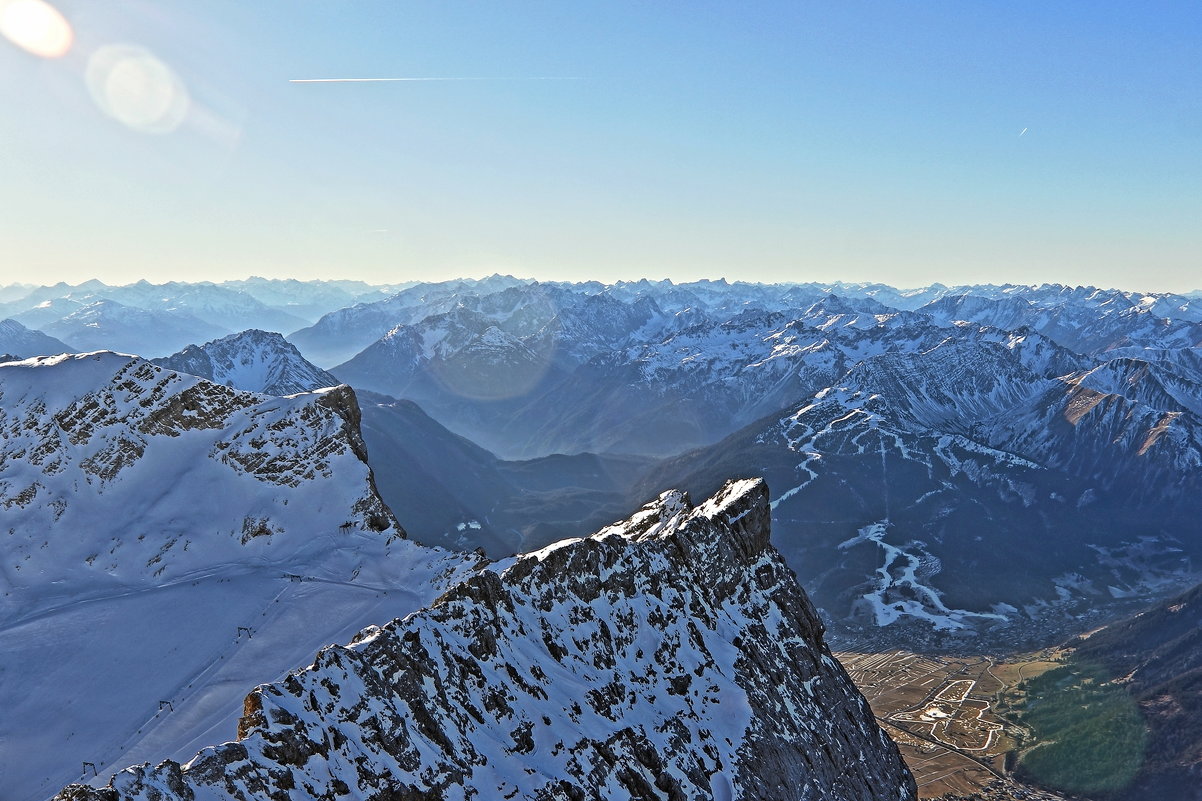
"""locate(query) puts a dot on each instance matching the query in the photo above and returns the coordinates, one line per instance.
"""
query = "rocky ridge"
(670, 656)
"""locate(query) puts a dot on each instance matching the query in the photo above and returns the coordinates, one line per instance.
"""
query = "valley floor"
(941, 710)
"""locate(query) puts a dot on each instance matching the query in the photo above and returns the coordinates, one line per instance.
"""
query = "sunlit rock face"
(669, 656)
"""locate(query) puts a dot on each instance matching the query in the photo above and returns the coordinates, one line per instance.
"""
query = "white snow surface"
(167, 539)
(901, 589)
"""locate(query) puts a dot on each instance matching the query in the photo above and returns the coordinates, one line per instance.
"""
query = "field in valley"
(943, 713)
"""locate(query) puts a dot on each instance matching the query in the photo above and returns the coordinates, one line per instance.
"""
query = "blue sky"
(770, 141)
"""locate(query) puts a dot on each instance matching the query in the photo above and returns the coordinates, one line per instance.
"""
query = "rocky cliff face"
(671, 656)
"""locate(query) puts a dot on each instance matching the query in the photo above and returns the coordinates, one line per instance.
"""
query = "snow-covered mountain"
(232, 306)
(459, 353)
(1084, 319)
(1016, 413)
(17, 340)
(610, 376)
(670, 656)
(655, 368)
(109, 325)
(476, 365)
(569, 321)
(222, 307)
(341, 334)
(693, 384)
(31, 297)
(168, 539)
(448, 491)
(970, 487)
(256, 361)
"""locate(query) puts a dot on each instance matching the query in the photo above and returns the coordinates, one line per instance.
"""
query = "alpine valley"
(369, 530)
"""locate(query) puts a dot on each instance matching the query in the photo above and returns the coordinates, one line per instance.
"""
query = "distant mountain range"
(992, 466)
(157, 319)
(948, 462)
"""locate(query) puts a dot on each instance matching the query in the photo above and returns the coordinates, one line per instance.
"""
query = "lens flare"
(137, 89)
(36, 26)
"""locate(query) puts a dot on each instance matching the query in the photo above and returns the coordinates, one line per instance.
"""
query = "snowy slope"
(670, 656)
(86, 437)
(256, 361)
(166, 538)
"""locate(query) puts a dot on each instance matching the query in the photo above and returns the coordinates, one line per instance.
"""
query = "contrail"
(394, 80)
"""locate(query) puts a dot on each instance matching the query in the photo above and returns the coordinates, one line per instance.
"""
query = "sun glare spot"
(36, 26)
(137, 89)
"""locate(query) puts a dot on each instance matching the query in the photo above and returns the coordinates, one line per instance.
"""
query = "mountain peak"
(252, 360)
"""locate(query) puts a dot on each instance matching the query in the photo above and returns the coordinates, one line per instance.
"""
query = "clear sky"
(904, 142)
